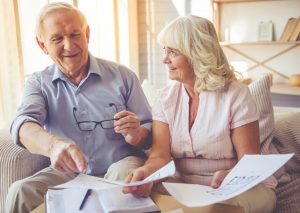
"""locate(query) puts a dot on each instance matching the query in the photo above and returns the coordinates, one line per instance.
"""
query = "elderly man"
(84, 113)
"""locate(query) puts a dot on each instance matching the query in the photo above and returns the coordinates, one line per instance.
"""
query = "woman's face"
(178, 66)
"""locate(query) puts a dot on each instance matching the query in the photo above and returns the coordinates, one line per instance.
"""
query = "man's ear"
(41, 45)
(87, 33)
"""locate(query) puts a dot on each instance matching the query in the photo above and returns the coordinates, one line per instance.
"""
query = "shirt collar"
(93, 69)
(185, 94)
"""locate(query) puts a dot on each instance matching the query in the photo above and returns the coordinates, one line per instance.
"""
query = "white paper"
(114, 200)
(249, 171)
(107, 196)
(69, 200)
(86, 182)
(91, 182)
(165, 171)
(100, 201)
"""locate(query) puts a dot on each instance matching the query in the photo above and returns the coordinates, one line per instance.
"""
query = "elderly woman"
(206, 121)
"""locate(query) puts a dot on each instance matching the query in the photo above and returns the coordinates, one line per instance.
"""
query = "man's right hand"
(66, 156)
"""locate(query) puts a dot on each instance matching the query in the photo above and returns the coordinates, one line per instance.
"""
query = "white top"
(218, 113)
(207, 147)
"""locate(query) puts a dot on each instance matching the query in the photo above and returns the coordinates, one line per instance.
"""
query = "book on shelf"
(296, 33)
(265, 31)
(288, 29)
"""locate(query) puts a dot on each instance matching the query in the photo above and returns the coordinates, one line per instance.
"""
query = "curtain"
(10, 62)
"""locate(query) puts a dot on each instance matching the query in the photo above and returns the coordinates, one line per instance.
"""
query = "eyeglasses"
(91, 125)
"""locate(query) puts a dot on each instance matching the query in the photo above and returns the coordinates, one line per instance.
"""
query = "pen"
(87, 194)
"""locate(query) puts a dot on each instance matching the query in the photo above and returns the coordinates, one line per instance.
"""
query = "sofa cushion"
(288, 196)
(16, 163)
(287, 133)
(260, 90)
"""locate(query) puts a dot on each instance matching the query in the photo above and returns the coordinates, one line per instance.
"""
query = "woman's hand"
(218, 178)
(143, 190)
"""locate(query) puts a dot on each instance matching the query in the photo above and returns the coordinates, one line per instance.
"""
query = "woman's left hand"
(218, 178)
(143, 190)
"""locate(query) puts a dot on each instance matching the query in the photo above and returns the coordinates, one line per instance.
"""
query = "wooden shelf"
(217, 10)
(263, 63)
(236, 47)
(235, 1)
(284, 95)
(285, 89)
(223, 43)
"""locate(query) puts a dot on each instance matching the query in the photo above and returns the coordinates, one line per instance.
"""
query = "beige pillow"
(260, 90)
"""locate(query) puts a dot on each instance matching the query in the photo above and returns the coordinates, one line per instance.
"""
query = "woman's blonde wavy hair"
(196, 38)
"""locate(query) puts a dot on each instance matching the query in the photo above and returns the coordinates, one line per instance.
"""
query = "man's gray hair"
(53, 7)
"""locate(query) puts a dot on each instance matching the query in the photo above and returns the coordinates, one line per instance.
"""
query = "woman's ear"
(41, 45)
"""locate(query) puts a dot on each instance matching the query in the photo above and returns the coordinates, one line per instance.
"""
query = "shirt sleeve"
(31, 109)
(157, 111)
(244, 109)
(136, 100)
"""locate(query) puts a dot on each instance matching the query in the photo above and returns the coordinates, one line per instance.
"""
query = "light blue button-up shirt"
(49, 99)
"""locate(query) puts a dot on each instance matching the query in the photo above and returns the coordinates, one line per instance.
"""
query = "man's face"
(65, 39)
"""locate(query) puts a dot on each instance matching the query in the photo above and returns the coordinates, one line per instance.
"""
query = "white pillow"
(260, 90)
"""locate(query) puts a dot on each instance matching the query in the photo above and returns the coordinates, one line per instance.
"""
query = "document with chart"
(248, 172)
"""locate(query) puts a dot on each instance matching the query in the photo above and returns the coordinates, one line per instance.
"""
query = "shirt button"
(86, 138)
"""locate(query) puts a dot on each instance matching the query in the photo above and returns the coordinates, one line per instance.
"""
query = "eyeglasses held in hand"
(91, 125)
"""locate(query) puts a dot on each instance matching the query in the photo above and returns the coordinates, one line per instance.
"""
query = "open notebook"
(103, 200)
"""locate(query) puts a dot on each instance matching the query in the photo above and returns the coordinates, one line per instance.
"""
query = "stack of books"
(291, 30)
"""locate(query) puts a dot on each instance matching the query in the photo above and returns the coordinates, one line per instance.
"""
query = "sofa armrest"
(16, 163)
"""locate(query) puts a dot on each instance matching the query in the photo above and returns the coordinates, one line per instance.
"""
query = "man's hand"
(142, 190)
(128, 124)
(66, 156)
